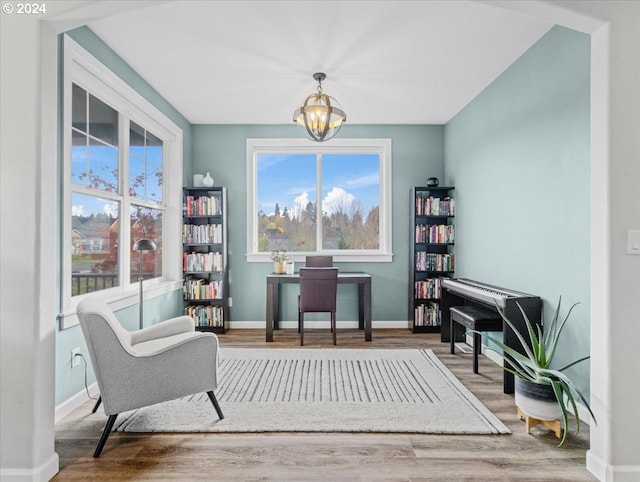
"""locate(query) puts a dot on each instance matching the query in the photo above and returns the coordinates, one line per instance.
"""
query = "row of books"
(434, 233)
(202, 233)
(427, 315)
(210, 316)
(202, 262)
(434, 261)
(429, 288)
(201, 289)
(201, 205)
(434, 206)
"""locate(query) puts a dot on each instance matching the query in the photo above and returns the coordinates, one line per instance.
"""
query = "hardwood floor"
(344, 457)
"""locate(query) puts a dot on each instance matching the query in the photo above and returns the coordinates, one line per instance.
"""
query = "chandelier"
(319, 114)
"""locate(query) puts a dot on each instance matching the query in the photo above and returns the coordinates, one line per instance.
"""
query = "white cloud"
(338, 200)
(111, 209)
(369, 180)
(77, 210)
(299, 204)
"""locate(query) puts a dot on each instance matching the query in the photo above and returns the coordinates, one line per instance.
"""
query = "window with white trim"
(330, 198)
(120, 154)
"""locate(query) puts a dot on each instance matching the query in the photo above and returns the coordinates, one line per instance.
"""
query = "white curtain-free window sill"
(121, 299)
(337, 258)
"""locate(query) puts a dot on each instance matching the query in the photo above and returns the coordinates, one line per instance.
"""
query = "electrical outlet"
(75, 360)
(230, 302)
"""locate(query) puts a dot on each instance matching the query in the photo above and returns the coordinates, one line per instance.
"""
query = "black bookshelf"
(430, 258)
(205, 266)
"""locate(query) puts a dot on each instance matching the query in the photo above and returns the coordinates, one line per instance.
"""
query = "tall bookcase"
(205, 267)
(432, 237)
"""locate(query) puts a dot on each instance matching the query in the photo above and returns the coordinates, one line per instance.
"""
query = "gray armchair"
(135, 369)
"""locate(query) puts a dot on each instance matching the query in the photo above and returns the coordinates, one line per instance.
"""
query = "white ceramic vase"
(207, 181)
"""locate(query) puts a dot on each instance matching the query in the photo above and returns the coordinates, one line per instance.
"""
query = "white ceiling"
(387, 62)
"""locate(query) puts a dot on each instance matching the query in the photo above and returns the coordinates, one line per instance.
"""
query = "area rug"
(325, 390)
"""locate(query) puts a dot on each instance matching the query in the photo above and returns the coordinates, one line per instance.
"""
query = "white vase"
(197, 180)
(207, 181)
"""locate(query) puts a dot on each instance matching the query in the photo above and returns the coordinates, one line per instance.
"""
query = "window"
(332, 198)
(119, 152)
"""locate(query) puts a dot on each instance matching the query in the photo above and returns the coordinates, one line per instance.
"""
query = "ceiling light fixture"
(319, 114)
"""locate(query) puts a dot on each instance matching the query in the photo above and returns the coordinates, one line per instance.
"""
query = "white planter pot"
(536, 400)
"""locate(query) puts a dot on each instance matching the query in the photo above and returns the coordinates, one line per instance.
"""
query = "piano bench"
(474, 318)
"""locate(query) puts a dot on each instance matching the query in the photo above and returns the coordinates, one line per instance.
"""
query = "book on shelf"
(429, 288)
(434, 206)
(201, 205)
(435, 233)
(202, 233)
(434, 261)
(201, 262)
(202, 289)
(427, 315)
(206, 316)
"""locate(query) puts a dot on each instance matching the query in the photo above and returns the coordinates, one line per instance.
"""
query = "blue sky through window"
(290, 181)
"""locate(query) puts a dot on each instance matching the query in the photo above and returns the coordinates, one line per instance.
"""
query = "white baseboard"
(610, 473)
(69, 405)
(346, 324)
(44, 472)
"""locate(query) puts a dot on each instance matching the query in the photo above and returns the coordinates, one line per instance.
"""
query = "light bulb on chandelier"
(319, 114)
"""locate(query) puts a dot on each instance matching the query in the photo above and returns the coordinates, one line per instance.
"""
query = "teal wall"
(71, 381)
(518, 155)
(417, 154)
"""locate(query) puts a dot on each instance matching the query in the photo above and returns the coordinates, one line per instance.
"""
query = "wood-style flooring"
(339, 456)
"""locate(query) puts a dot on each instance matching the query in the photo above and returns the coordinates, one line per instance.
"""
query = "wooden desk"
(363, 281)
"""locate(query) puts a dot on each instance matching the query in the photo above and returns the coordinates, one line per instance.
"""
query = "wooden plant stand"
(530, 422)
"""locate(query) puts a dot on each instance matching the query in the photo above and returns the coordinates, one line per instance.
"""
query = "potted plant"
(280, 258)
(540, 391)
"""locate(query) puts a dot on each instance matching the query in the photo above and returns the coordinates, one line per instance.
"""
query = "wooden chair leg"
(301, 326)
(333, 326)
(105, 435)
(214, 401)
(95, 407)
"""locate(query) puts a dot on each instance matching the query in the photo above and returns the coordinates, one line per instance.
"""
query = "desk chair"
(318, 288)
(319, 261)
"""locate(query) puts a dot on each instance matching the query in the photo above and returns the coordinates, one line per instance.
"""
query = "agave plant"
(534, 364)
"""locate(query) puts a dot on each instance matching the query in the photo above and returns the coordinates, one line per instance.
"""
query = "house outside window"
(307, 198)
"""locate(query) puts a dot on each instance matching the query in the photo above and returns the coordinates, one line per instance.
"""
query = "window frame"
(81, 68)
(381, 146)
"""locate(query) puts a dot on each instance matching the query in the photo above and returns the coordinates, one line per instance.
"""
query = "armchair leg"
(105, 435)
(213, 399)
(95, 407)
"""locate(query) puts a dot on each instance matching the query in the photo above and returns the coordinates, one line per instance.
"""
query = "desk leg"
(366, 301)
(272, 309)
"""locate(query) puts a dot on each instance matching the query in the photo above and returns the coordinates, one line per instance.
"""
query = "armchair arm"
(155, 374)
(173, 326)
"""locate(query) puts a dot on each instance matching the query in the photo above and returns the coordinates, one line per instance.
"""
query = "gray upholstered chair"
(318, 261)
(135, 369)
(318, 289)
